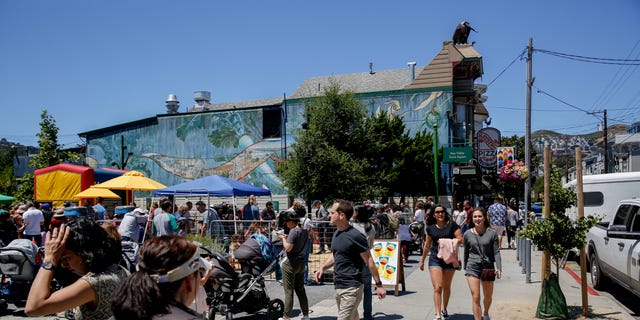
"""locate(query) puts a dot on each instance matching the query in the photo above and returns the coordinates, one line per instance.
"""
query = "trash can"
(276, 206)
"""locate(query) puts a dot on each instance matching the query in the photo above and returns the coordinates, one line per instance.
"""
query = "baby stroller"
(18, 265)
(416, 230)
(229, 292)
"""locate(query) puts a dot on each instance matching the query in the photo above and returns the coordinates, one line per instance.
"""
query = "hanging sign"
(488, 143)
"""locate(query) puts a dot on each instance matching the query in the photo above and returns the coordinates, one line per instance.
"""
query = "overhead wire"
(622, 62)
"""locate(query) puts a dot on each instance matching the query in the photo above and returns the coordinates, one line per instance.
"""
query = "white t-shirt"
(32, 219)
(419, 215)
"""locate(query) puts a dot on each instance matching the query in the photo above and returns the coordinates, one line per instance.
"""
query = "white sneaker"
(438, 317)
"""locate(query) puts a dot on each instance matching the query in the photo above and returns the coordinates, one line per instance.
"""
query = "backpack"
(393, 222)
(266, 247)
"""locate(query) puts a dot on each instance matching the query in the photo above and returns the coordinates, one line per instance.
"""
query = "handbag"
(488, 271)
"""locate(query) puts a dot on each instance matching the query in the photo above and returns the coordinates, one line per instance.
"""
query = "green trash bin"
(276, 206)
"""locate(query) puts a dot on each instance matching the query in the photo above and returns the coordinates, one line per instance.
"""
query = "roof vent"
(202, 99)
(172, 104)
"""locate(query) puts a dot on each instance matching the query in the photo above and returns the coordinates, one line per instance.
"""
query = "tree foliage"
(341, 152)
(49, 153)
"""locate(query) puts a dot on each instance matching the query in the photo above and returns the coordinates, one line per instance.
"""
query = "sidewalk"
(513, 298)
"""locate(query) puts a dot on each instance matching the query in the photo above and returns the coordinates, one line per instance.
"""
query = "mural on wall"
(188, 146)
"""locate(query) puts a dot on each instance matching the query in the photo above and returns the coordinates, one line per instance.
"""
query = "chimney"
(202, 99)
(412, 67)
(172, 104)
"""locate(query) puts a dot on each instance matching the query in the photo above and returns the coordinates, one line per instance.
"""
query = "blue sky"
(94, 64)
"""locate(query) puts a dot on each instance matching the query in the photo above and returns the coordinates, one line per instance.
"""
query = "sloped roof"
(379, 81)
(439, 72)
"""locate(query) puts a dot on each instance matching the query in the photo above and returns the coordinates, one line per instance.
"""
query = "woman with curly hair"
(83, 247)
(170, 277)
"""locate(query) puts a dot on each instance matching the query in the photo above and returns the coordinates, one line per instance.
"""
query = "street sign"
(457, 155)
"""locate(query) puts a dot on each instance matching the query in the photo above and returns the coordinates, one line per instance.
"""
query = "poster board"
(386, 256)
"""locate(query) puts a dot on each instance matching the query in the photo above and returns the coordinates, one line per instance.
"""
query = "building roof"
(238, 105)
(439, 72)
(364, 82)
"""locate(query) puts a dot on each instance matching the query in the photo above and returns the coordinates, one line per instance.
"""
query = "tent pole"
(235, 217)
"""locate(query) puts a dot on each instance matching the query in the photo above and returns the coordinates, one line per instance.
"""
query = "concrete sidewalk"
(513, 298)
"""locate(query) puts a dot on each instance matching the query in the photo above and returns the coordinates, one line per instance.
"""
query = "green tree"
(414, 166)
(321, 164)
(49, 153)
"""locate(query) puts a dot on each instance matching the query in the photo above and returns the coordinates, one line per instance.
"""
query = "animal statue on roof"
(461, 34)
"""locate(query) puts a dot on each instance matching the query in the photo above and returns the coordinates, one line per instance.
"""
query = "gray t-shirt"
(347, 246)
(488, 243)
(298, 237)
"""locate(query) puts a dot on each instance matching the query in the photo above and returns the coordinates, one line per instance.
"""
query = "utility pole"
(606, 144)
(604, 139)
(527, 155)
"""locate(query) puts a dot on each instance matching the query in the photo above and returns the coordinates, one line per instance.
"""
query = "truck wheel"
(598, 280)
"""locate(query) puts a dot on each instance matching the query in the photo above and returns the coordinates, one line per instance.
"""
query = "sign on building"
(505, 155)
(457, 155)
(488, 143)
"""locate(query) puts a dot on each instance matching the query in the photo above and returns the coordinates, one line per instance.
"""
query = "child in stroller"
(229, 292)
(19, 262)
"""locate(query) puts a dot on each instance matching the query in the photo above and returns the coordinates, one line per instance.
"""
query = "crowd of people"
(88, 242)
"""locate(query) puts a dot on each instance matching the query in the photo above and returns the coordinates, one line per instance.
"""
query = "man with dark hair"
(211, 224)
(268, 213)
(100, 209)
(350, 251)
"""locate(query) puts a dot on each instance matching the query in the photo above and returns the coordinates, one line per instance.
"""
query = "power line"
(518, 57)
(621, 62)
(561, 101)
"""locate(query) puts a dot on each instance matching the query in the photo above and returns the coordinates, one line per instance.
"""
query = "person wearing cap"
(47, 213)
(168, 283)
(83, 247)
(129, 225)
(57, 219)
(34, 224)
(293, 268)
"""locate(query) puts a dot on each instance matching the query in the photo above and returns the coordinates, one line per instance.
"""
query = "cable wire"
(623, 62)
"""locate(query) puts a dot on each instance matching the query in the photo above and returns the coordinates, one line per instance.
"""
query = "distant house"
(243, 140)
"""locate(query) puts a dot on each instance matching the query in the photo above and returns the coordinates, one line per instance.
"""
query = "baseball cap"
(121, 210)
(139, 210)
(46, 206)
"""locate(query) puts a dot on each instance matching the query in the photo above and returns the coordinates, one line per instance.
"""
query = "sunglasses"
(438, 211)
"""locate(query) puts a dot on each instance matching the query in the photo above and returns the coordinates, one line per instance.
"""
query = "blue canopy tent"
(213, 186)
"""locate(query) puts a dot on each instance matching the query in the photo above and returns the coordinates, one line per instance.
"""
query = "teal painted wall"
(229, 143)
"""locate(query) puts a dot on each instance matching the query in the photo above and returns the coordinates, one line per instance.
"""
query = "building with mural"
(243, 140)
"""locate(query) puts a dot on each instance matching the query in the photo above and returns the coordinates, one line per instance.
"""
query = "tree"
(321, 164)
(49, 153)
(414, 165)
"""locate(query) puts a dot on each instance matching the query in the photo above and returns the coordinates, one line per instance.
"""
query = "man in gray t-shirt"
(350, 251)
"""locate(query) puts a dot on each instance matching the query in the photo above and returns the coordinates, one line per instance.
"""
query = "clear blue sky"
(94, 64)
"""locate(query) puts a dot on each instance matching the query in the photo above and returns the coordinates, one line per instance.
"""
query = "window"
(593, 199)
(622, 214)
(635, 227)
(272, 123)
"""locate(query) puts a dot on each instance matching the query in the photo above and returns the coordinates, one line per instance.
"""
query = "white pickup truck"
(613, 248)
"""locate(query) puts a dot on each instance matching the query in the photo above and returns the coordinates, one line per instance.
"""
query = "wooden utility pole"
(583, 258)
(546, 261)
(606, 144)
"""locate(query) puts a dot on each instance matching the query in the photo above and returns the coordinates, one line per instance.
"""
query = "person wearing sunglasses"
(168, 283)
(441, 273)
(83, 247)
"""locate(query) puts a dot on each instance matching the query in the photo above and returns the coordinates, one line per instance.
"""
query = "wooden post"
(583, 257)
(546, 261)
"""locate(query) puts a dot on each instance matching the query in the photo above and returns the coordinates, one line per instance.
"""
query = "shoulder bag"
(488, 271)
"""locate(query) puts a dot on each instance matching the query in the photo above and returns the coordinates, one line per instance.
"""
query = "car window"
(635, 226)
(622, 214)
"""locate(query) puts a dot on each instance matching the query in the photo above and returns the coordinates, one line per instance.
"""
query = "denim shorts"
(435, 262)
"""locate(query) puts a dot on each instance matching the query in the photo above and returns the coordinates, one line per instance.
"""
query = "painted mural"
(229, 143)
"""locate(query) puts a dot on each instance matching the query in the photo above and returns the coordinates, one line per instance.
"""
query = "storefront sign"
(457, 155)
(488, 143)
